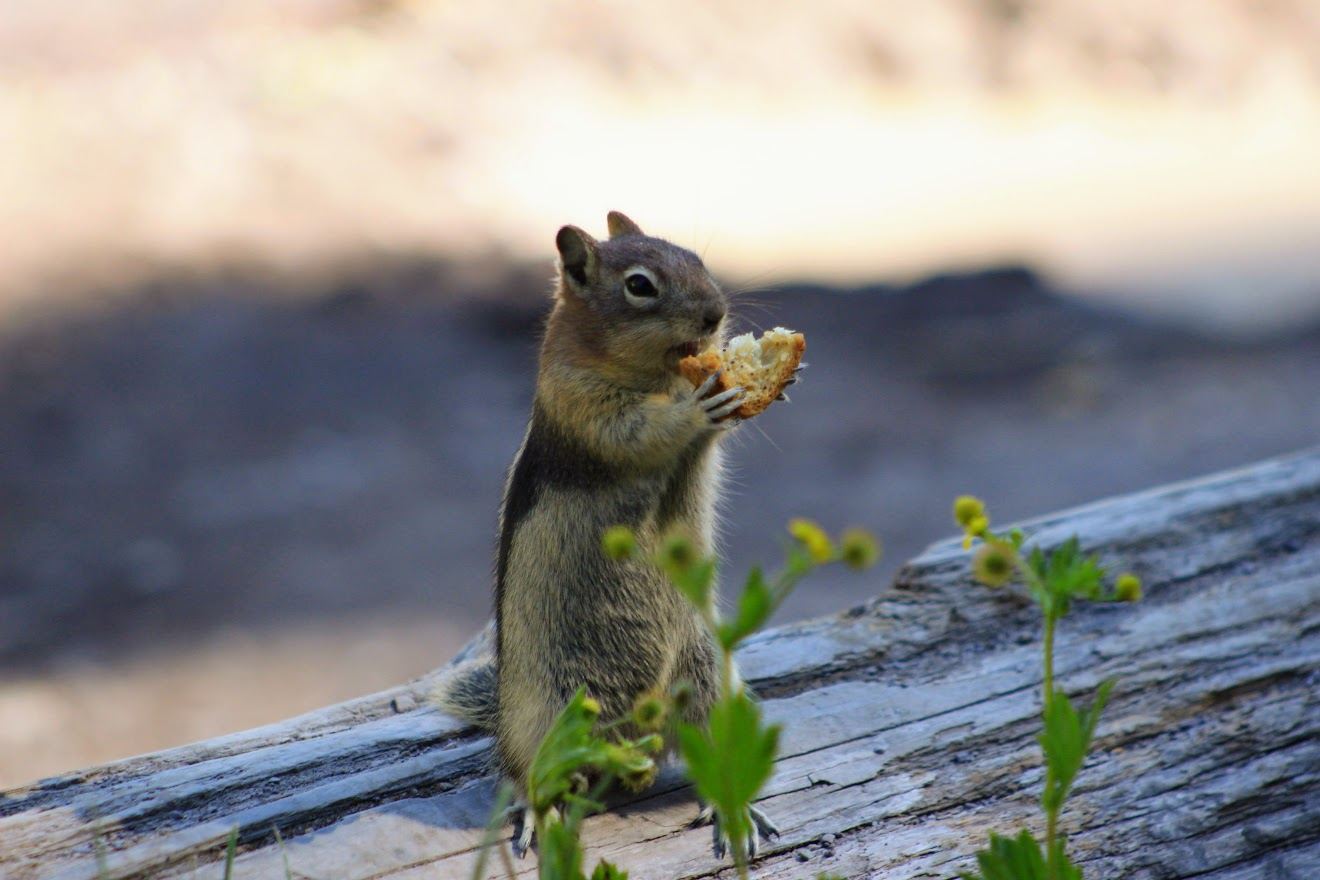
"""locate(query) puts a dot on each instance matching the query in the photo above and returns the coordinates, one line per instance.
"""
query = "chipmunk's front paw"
(763, 829)
(719, 406)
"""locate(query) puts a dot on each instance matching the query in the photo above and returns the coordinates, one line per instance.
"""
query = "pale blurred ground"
(1164, 150)
(186, 462)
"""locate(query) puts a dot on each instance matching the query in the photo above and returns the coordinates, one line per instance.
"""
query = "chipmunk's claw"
(720, 845)
(704, 388)
(721, 405)
(765, 829)
(718, 406)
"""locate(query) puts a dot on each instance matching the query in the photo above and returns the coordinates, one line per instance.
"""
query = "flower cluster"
(856, 547)
(969, 513)
(1063, 575)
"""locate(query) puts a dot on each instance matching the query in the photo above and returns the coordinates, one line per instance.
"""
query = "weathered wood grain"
(909, 733)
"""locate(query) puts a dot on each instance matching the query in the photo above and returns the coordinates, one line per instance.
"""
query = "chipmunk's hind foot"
(763, 830)
(524, 827)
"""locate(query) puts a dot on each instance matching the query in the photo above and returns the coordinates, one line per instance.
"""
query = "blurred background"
(272, 273)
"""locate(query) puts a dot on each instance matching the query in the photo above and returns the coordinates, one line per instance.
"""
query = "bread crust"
(697, 368)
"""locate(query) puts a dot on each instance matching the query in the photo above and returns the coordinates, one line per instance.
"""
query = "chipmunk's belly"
(616, 626)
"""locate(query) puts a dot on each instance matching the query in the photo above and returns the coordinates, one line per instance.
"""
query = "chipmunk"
(616, 437)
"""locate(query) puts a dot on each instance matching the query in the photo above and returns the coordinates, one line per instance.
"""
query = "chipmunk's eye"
(639, 285)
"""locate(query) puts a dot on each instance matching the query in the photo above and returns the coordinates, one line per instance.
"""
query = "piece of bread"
(762, 367)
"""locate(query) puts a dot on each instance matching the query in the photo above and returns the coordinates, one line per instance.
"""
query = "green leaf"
(1062, 576)
(755, 606)
(730, 760)
(694, 581)
(559, 854)
(568, 746)
(1064, 868)
(1010, 858)
(1065, 741)
(1069, 574)
(606, 871)
(1040, 569)
(797, 565)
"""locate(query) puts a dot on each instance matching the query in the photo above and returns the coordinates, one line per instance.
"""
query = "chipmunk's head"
(636, 302)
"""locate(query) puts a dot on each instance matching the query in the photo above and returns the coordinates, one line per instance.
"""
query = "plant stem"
(1051, 831)
(1048, 664)
(507, 859)
(729, 676)
(1051, 812)
(1049, 609)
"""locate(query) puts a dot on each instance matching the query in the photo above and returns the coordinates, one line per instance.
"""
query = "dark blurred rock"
(216, 453)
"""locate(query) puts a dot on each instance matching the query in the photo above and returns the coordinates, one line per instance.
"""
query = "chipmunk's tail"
(468, 691)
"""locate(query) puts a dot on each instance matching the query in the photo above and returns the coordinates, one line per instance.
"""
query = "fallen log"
(910, 729)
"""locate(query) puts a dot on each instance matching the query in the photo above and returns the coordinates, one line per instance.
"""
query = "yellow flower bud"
(652, 743)
(1127, 588)
(813, 539)
(967, 508)
(858, 549)
(993, 564)
(648, 712)
(682, 694)
(618, 542)
(591, 707)
(639, 776)
(678, 552)
(633, 768)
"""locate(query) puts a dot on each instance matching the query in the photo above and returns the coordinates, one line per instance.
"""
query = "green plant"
(559, 788)
(284, 852)
(732, 756)
(231, 850)
(1054, 580)
(728, 759)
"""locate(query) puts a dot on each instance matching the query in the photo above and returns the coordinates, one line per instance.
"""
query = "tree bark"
(909, 733)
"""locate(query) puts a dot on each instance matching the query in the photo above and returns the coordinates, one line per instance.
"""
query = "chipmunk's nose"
(712, 317)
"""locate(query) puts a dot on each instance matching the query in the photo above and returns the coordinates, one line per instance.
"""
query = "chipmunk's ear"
(621, 224)
(578, 256)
